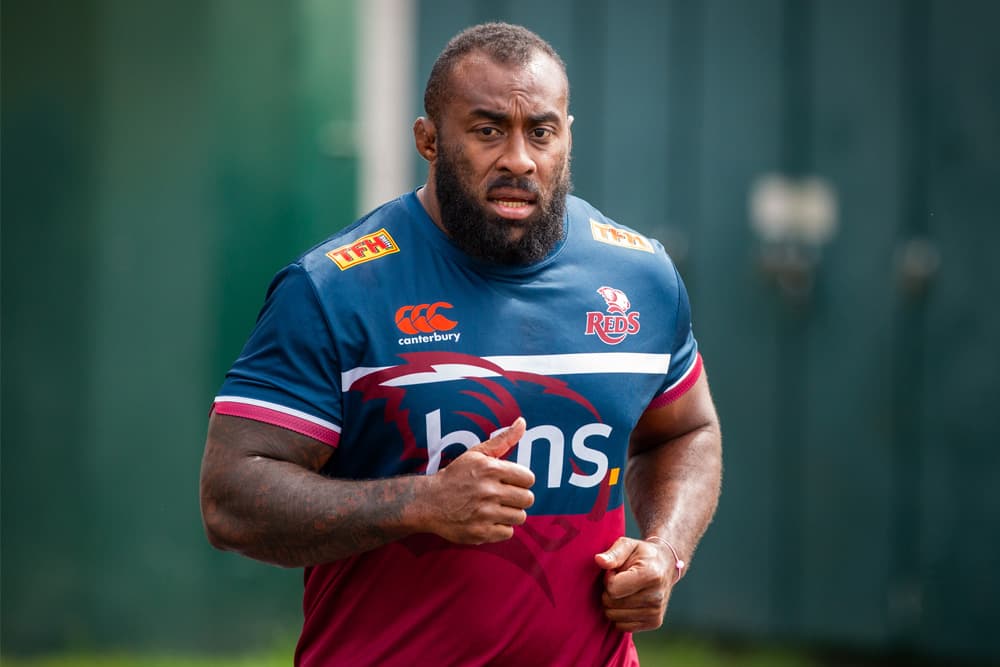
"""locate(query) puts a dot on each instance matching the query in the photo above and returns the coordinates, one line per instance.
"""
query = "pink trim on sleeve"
(276, 415)
(679, 388)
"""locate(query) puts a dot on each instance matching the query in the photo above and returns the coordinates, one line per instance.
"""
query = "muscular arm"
(262, 496)
(672, 480)
(675, 469)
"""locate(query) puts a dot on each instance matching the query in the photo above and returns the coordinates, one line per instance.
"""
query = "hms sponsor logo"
(426, 324)
(620, 237)
(365, 249)
(619, 321)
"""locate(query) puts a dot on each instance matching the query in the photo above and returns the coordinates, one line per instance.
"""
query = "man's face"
(502, 168)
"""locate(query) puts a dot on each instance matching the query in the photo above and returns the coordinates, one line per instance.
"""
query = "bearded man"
(443, 408)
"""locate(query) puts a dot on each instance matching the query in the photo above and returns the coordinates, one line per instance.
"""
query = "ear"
(425, 138)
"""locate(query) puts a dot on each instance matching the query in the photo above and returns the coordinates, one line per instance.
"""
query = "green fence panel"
(50, 116)
(161, 162)
(954, 454)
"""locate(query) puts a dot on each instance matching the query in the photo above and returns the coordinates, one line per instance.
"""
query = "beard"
(487, 236)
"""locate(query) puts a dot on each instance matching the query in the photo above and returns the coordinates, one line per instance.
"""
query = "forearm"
(280, 513)
(673, 488)
(262, 496)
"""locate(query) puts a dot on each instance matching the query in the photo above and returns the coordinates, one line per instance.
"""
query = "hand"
(637, 583)
(479, 497)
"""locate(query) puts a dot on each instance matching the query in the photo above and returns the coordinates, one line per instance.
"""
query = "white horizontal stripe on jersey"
(546, 364)
(278, 408)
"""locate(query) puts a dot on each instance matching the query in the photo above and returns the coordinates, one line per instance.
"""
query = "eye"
(541, 133)
(488, 131)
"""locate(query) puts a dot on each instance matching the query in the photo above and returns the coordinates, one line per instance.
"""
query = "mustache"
(515, 183)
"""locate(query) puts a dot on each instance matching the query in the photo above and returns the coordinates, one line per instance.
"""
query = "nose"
(516, 158)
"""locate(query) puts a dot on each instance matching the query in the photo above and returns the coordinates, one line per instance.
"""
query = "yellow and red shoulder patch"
(620, 237)
(364, 249)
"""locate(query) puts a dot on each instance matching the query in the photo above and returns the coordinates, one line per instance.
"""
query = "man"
(435, 410)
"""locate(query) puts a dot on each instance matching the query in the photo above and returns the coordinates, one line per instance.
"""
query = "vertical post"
(384, 82)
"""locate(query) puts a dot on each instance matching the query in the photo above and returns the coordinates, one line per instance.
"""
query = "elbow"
(216, 537)
(223, 527)
(218, 529)
(226, 532)
(219, 511)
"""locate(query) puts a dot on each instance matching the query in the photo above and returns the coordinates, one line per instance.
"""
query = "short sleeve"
(685, 360)
(287, 373)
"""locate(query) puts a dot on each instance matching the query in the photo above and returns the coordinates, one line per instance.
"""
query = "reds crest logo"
(612, 329)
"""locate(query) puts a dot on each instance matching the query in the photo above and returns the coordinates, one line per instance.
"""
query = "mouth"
(512, 204)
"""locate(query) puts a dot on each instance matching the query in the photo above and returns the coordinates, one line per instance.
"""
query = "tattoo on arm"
(263, 496)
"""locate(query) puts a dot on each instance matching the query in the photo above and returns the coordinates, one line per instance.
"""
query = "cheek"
(554, 169)
(473, 168)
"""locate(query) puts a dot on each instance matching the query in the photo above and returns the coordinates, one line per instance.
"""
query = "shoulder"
(372, 237)
(604, 240)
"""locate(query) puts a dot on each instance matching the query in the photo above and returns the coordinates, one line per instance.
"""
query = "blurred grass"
(267, 659)
(654, 651)
(134, 660)
(657, 651)
(279, 655)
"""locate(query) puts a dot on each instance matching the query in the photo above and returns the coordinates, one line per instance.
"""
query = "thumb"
(615, 556)
(502, 442)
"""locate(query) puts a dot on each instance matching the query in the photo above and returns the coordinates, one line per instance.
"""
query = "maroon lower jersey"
(532, 600)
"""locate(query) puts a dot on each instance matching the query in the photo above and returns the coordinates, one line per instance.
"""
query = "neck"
(428, 199)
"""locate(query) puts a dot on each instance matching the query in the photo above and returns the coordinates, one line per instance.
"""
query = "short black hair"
(503, 43)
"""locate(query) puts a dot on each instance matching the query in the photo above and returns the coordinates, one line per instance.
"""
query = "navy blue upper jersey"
(393, 346)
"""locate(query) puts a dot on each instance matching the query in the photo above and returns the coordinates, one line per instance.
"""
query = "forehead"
(477, 81)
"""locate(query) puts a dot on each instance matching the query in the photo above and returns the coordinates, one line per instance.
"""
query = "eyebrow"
(503, 117)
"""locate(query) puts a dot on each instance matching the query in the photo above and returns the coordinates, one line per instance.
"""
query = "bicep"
(232, 440)
(248, 473)
(693, 411)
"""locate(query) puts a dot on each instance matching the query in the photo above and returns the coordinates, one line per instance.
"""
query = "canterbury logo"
(424, 318)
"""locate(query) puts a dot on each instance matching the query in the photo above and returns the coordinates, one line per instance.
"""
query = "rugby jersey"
(391, 345)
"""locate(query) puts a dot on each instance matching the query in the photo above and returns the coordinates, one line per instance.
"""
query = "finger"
(617, 554)
(497, 532)
(633, 615)
(507, 516)
(630, 581)
(631, 620)
(515, 474)
(517, 498)
(502, 442)
(648, 598)
(638, 626)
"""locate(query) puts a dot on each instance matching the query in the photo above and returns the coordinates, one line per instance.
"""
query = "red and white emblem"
(614, 327)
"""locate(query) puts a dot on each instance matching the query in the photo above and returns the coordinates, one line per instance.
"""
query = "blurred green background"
(161, 160)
